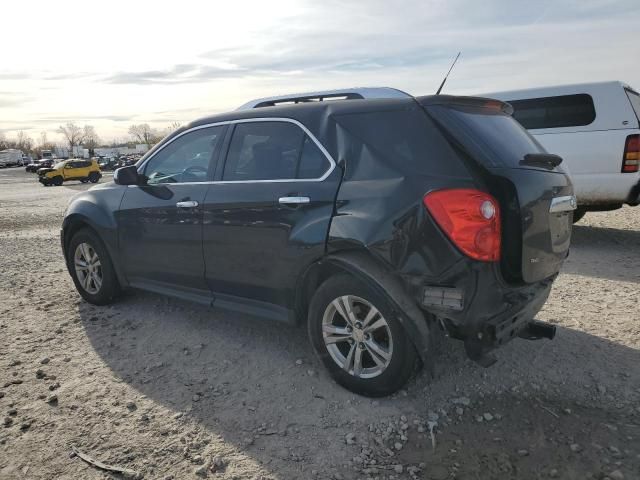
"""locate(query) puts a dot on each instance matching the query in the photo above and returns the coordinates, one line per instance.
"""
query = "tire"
(108, 288)
(57, 181)
(377, 377)
(578, 214)
(94, 177)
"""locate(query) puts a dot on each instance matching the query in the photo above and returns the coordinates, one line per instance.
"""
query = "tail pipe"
(537, 329)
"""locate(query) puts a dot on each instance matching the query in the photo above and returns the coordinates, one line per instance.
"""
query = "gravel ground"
(172, 390)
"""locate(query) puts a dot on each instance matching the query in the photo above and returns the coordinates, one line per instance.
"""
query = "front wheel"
(94, 177)
(356, 335)
(91, 268)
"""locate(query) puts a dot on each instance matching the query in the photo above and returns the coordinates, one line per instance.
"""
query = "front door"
(160, 223)
(74, 170)
(267, 216)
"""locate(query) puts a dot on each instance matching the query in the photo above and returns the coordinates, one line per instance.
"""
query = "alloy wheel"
(357, 336)
(88, 268)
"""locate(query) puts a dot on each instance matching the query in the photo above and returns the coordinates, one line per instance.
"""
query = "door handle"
(293, 200)
(187, 204)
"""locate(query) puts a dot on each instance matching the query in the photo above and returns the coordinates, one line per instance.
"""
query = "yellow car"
(72, 169)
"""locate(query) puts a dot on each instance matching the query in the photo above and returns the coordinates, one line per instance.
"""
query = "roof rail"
(321, 96)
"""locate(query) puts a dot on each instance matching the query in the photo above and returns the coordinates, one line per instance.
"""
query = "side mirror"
(127, 176)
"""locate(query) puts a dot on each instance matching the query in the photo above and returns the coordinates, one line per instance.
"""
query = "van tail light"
(631, 157)
(471, 220)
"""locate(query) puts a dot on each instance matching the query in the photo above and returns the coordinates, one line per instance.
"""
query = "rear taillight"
(471, 220)
(631, 156)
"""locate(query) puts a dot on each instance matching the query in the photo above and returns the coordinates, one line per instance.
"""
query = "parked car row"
(34, 166)
(111, 163)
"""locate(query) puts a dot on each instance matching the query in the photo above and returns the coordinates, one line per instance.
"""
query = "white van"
(595, 128)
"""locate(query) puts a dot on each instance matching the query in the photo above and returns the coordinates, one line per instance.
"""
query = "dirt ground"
(173, 390)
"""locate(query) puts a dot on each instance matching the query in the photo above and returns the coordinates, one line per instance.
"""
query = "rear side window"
(490, 136)
(273, 151)
(634, 98)
(405, 138)
(554, 112)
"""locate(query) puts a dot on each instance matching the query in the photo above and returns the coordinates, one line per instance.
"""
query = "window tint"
(634, 98)
(272, 151)
(313, 163)
(554, 112)
(492, 137)
(186, 159)
(406, 137)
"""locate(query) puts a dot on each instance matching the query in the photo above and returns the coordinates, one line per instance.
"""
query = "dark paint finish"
(241, 249)
(159, 241)
(255, 247)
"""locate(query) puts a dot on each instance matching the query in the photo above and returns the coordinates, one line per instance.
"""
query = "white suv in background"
(595, 128)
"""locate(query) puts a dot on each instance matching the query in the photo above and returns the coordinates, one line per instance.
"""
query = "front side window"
(273, 151)
(554, 112)
(185, 160)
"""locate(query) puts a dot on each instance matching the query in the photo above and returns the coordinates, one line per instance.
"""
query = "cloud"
(181, 73)
(12, 99)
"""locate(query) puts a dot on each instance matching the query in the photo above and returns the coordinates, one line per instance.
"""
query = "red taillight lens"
(471, 220)
(631, 157)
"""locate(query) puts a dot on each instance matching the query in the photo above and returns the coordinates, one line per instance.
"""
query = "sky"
(116, 63)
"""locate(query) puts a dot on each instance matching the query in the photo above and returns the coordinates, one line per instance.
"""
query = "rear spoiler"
(472, 102)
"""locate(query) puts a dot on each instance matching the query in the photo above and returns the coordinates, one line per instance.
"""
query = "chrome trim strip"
(293, 200)
(567, 203)
(250, 120)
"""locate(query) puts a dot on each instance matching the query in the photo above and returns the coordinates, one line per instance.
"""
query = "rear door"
(267, 216)
(160, 223)
(536, 197)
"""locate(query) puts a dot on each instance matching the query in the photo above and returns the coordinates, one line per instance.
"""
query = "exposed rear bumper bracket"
(536, 329)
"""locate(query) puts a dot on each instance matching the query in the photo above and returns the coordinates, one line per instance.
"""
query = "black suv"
(372, 221)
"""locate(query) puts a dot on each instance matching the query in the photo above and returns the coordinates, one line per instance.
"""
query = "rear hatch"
(535, 194)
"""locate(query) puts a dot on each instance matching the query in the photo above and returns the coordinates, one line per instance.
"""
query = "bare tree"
(24, 142)
(3, 141)
(143, 133)
(90, 139)
(73, 135)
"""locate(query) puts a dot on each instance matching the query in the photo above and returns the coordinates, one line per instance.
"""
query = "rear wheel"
(356, 335)
(94, 177)
(578, 214)
(91, 268)
(57, 181)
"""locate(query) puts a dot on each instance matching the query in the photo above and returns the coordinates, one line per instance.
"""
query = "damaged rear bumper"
(480, 309)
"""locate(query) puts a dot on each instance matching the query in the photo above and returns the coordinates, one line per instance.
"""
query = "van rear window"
(554, 112)
(634, 98)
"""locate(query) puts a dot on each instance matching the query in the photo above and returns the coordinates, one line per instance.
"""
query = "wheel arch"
(92, 218)
(363, 266)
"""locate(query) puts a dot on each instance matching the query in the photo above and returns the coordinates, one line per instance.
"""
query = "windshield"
(59, 165)
(634, 98)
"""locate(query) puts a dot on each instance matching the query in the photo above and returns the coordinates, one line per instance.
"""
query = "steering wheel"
(190, 172)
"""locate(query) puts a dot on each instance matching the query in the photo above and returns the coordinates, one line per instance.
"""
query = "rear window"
(554, 112)
(634, 98)
(490, 136)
